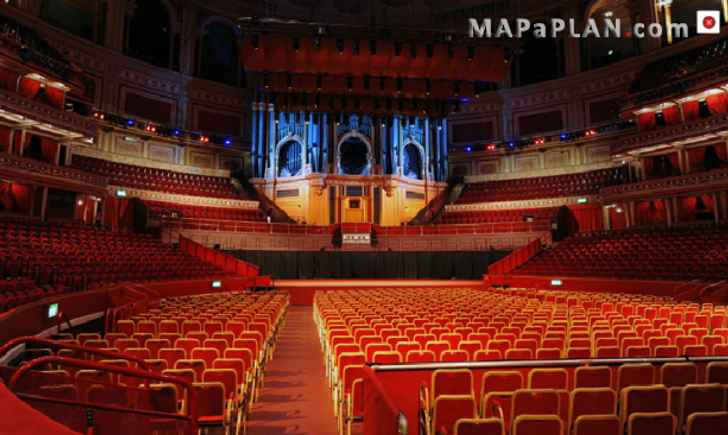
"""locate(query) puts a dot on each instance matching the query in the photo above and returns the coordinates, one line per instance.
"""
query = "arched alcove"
(354, 156)
(149, 33)
(412, 162)
(290, 159)
(218, 53)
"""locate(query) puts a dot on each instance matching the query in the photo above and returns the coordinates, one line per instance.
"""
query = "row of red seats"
(512, 215)
(677, 254)
(166, 210)
(583, 183)
(20, 291)
(419, 325)
(66, 254)
(225, 369)
(139, 177)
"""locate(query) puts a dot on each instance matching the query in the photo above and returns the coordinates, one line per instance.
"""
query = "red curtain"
(718, 104)
(647, 120)
(8, 80)
(56, 96)
(691, 110)
(588, 217)
(28, 88)
(15, 198)
(689, 211)
(617, 219)
(5, 138)
(118, 214)
(672, 115)
(650, 213)
(50, 149)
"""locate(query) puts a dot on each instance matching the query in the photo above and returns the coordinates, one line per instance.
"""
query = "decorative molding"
(204, 201)
(29, 170)
(566, 170)
(692, 183)
(43, 112)
(139, 161)
(530, 203)
(717, 125)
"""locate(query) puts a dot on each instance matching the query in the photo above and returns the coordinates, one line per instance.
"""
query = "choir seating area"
(674, 254)
(214, 345)
(76, 256)
(637, 397)
(575, 184)
(545, 214)
(162, 180)
(172, 211)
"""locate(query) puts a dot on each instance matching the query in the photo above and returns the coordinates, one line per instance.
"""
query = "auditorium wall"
(371, 265)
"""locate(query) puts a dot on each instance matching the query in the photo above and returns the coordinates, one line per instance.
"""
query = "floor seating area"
(166, 210)
(582, 183)
(81, 256)
(139, 177)
(419, 325)
(545, 214)
(675, 254)
(219, 343)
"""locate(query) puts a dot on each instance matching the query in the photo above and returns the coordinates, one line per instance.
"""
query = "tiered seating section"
(583, 183)
(166, 210)
(419, 325)
(219, 343)
(679, 254)
(545, 214)
(138, 177)
(19, 291)
(81, 256)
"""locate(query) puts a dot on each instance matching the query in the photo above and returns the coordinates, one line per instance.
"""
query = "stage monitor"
(52, 311)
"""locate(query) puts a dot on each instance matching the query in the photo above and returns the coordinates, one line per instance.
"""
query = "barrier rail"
(399, 384)
(225, 262)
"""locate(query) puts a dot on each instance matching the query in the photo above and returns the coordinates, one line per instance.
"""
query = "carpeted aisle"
(295, 398)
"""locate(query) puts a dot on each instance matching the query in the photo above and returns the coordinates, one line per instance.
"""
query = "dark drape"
(371, 265)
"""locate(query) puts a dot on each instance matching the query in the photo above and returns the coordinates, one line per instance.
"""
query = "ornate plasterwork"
(136, 161)
(204, 201)
(550, 172)
(530, 203)
(691, 183)
(665, 135)
(29, 170)
(42, 112)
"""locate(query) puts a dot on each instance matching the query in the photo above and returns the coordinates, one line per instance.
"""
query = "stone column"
(426, 138)
(384, 146)
(116, 12)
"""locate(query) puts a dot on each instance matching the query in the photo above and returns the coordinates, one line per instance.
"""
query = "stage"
(302, 290)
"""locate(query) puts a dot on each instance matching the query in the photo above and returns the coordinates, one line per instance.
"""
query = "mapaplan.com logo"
(707, 23)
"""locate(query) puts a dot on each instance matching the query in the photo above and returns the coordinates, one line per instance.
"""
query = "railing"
(699, 180)
(223, 261)
(10, 163)
(88, 413)
(381, 231)
(382, 415)
(515, 259)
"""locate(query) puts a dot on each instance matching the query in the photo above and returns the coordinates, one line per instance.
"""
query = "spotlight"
(468, 149)
(491, 147)
(539, 141)
(176, 132)
(228, 141)
(130, 122)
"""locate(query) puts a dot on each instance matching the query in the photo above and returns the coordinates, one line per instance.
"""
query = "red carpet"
(295, 398)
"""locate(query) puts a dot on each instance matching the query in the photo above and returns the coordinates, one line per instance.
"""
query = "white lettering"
(557, 26)
(539, 30)
(522, 26)
(655, 30)
(478, 30)
(504, 28)
(639, 30)
(591, 29)
(612, 27)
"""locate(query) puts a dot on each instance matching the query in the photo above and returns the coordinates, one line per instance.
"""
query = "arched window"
(218, 54)
(149, 33)
(290, 162)
(77, 16)
(412, 162)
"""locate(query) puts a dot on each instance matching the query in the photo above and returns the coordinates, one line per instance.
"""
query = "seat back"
(227, 377)
(448, 409)
(592, 401)
(652, 423)
(707, 423)
(451, 382)
(537, 425)
(479, 426)
(593, 377)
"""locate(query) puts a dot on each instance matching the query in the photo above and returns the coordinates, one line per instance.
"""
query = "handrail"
(539, 363)
(15, 342)
(191, 395)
